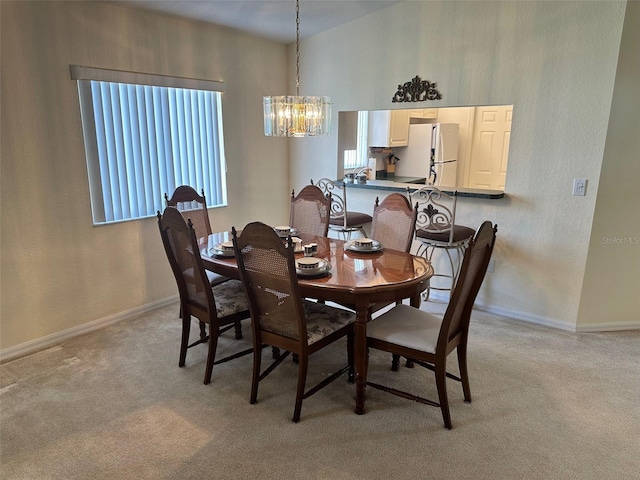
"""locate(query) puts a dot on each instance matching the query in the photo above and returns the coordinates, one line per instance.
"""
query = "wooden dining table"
(357, 279)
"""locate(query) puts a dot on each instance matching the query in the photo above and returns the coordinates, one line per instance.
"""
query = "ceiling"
(273, 19)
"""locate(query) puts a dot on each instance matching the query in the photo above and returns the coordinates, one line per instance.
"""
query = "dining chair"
(310, 211)
(394, 221)
(221, 307)
(194, 206)
(436, 229)
(392, 224)
(428, 339)
(342, 221)
(279, 315)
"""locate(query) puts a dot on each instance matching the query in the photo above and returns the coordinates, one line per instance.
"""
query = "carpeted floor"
(113, 404)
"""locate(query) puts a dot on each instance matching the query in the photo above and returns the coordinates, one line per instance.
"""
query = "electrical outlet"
(579, 187)
(492, 266)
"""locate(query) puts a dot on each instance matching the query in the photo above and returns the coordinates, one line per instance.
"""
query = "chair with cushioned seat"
(193, 207)
(280, 317)
(342, 221)
(220, 307)
(428, 339)
(436, 230)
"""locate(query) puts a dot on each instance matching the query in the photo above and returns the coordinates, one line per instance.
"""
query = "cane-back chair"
(428, 339)
(310, 211)
(279, 315)
(342, 221)
(221, 307)
(394, 222)
(193, 206)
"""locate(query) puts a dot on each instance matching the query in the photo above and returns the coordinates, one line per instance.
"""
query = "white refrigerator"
(432, 153)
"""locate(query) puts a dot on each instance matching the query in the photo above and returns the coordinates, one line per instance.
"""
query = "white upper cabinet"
(431, 113)
(389, 128)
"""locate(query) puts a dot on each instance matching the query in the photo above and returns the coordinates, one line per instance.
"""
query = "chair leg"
(186, 329)
(275, 352)
(257, 359)
(351, 375)
(211, 356)
(464, 372)
(395, 362)
(441, 383)
(453, 271)
(238, 329)
(203, 330)
(302, 380)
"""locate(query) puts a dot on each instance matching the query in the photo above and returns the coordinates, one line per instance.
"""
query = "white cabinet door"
(424, 113)
(389, 128)
(399, 129)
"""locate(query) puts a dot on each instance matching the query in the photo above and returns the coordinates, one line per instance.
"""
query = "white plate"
(375, 247)
(219, 251)
(323, 268)
(292, 231)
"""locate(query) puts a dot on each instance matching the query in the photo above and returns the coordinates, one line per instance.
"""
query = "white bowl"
(227, 246)
(307, 263)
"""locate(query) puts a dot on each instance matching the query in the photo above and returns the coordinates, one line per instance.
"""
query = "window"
(144, 136)
(360, 156)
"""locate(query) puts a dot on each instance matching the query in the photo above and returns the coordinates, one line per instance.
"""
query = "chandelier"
(296, 116)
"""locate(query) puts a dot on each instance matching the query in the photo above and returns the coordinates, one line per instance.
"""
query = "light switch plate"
(579, 187)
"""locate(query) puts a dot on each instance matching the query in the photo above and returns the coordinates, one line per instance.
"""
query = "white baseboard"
(607, 327)
(48, 341)
(545, 321)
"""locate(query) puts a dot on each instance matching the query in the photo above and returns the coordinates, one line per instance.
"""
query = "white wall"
(555, 62)
(59, 273)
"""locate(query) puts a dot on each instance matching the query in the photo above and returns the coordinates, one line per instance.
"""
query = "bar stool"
(342, 221)
(436, 230)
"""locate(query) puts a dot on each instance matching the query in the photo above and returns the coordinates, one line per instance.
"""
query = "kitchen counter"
(400, 184)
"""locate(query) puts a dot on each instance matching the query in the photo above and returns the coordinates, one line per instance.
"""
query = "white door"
(490, 150)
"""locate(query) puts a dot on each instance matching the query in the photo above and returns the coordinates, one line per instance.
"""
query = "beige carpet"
(113, 404)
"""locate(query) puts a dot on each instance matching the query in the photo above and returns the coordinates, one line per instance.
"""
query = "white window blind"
(142, 141)
(362, 149)
(359, 157)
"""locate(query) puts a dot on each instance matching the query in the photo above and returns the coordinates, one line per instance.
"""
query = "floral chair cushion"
(230, 298)
(322, 320)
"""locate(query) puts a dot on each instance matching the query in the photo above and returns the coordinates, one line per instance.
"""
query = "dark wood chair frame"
(454, 328)
(185, 195)
(321, 214)
(171, 223)
(257, 233)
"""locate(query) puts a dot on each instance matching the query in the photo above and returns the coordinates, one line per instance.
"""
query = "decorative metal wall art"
(417, 91)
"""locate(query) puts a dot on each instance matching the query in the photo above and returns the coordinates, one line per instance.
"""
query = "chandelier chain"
(297, 47)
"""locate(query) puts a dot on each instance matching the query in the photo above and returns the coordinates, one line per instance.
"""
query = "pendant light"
(289, 116)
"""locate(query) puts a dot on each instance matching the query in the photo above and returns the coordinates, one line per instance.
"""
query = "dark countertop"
(400, 184)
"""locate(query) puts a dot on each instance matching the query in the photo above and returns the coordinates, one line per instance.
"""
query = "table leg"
(362, 317)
